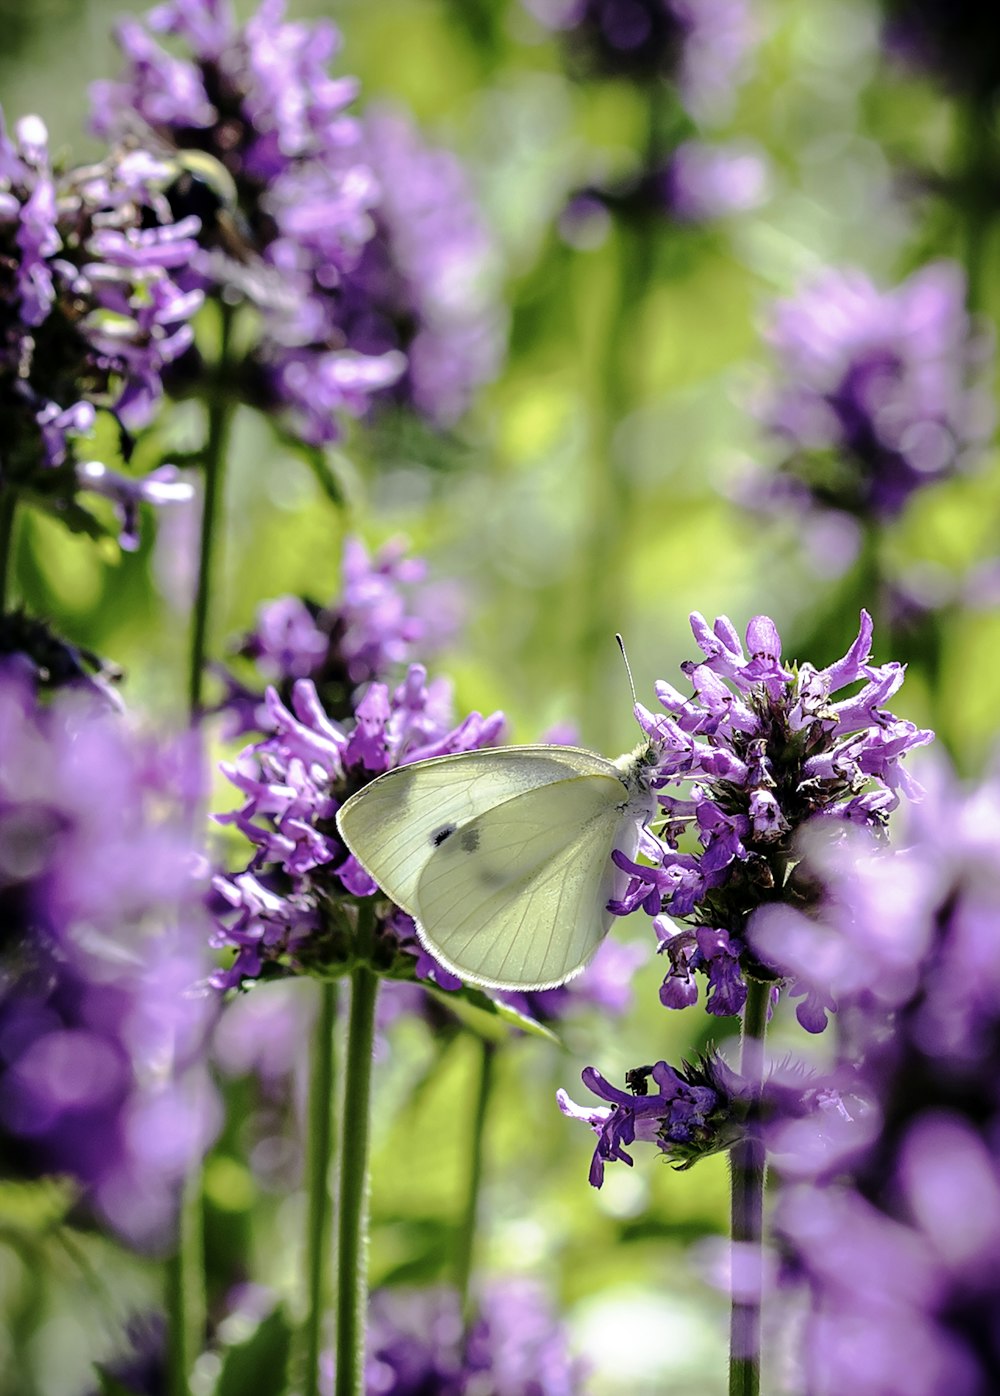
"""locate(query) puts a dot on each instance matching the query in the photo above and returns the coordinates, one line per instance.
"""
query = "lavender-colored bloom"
(516, 1346)
(692, 1113)
(762, 748)
(293, 782)
(46, 662)
(258, 98)
(426, 284)
(893, 1236)
(386, 613)
(606, 984)
(704, 182)
(702, 45)
(91, 315)
(101, 1029)
(877, 393)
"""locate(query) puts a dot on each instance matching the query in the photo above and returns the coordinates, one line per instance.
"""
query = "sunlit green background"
(588, 491)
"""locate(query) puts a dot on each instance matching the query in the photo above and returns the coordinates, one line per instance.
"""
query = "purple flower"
(427, 282)
(259, 99)
(693, 1113)
(702, 182)
(892, 1233)
(606, 984)
(101, 1027)
(386, 613)
(877, 393)
(702, 45)
(276, 913)
(91, 315)
(762, 748)
(516, 1346)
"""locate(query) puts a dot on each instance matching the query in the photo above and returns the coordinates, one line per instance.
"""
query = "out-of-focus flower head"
(704, 46)
(701, 183)
(363, 243)
(101, 1029)
(953, 39)
(48, 663)
(606, 984)
(386, 613)
(515, 1347)
(894, 1237)
(91, 315)
(763, 747)
(278, 912)
(875, 394)
(427, 282)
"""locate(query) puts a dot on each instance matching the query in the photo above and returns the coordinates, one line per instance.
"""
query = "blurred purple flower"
(101, 1026)
(764, 748)
(893, 1234)
(702, 45)
(276, 914)
(606, 984)
(953, 39)
(516, 1346)
(427, 282)
(387, 612)
(704, 182)
(877, 393)
(91, 315)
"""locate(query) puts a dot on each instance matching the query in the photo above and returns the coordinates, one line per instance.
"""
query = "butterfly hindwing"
(394, 825)
(517, 896)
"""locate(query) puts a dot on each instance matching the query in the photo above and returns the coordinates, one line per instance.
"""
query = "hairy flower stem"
(185, 1289)
(220, 416)
(8, 507)
(352, 1248)
(318, 1225)
(747, 1168)
(470, 1213)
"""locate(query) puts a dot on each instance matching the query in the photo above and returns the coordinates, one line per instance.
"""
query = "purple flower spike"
(763, 747)
(92, 317)
(102, 1025)
(876, 394)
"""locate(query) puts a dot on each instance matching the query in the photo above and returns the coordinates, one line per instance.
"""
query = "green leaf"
(260, 1364)
(35, 1207)
(486, 1016)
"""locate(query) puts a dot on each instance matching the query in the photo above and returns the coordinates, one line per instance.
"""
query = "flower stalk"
(8, 507)
(748, 1167)
(485, 1078)
(318, 1232)
(220, 415)
(352, 1257)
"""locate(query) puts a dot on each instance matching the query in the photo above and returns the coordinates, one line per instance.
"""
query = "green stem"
(319, 1150)
(352, 1256)
(220, 416)
(185, 1289)
(978, 165)
(747, 1166)
(8, 508)
(470, 1212)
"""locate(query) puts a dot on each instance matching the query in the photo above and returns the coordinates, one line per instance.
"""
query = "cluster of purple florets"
(363, 251)
(91, 314)
(102, 1032)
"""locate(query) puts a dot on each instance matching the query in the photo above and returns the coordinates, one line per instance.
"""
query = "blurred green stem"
(978, 182)
(470, 1213)
(185, 1289)
(747, 1168)
(8, 508)
(219, 408)
(352, 1241)
(319, 1146)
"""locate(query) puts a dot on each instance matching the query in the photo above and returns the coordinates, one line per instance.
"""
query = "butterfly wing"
(394, 825)
(516, 898)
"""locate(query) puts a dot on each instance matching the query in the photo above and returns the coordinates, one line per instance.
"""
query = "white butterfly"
(503, 857)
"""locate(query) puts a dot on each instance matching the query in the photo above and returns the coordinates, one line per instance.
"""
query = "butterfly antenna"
(628, 668)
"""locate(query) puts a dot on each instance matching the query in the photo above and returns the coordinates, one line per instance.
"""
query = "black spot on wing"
(439, 835)
(469, 841)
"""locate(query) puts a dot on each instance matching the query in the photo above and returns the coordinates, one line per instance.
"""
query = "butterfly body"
(503, 857)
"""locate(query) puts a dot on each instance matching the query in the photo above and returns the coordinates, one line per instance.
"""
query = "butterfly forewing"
(517, 896)
(396, 824)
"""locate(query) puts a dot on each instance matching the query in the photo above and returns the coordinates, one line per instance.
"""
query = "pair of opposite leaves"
(503, 856)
